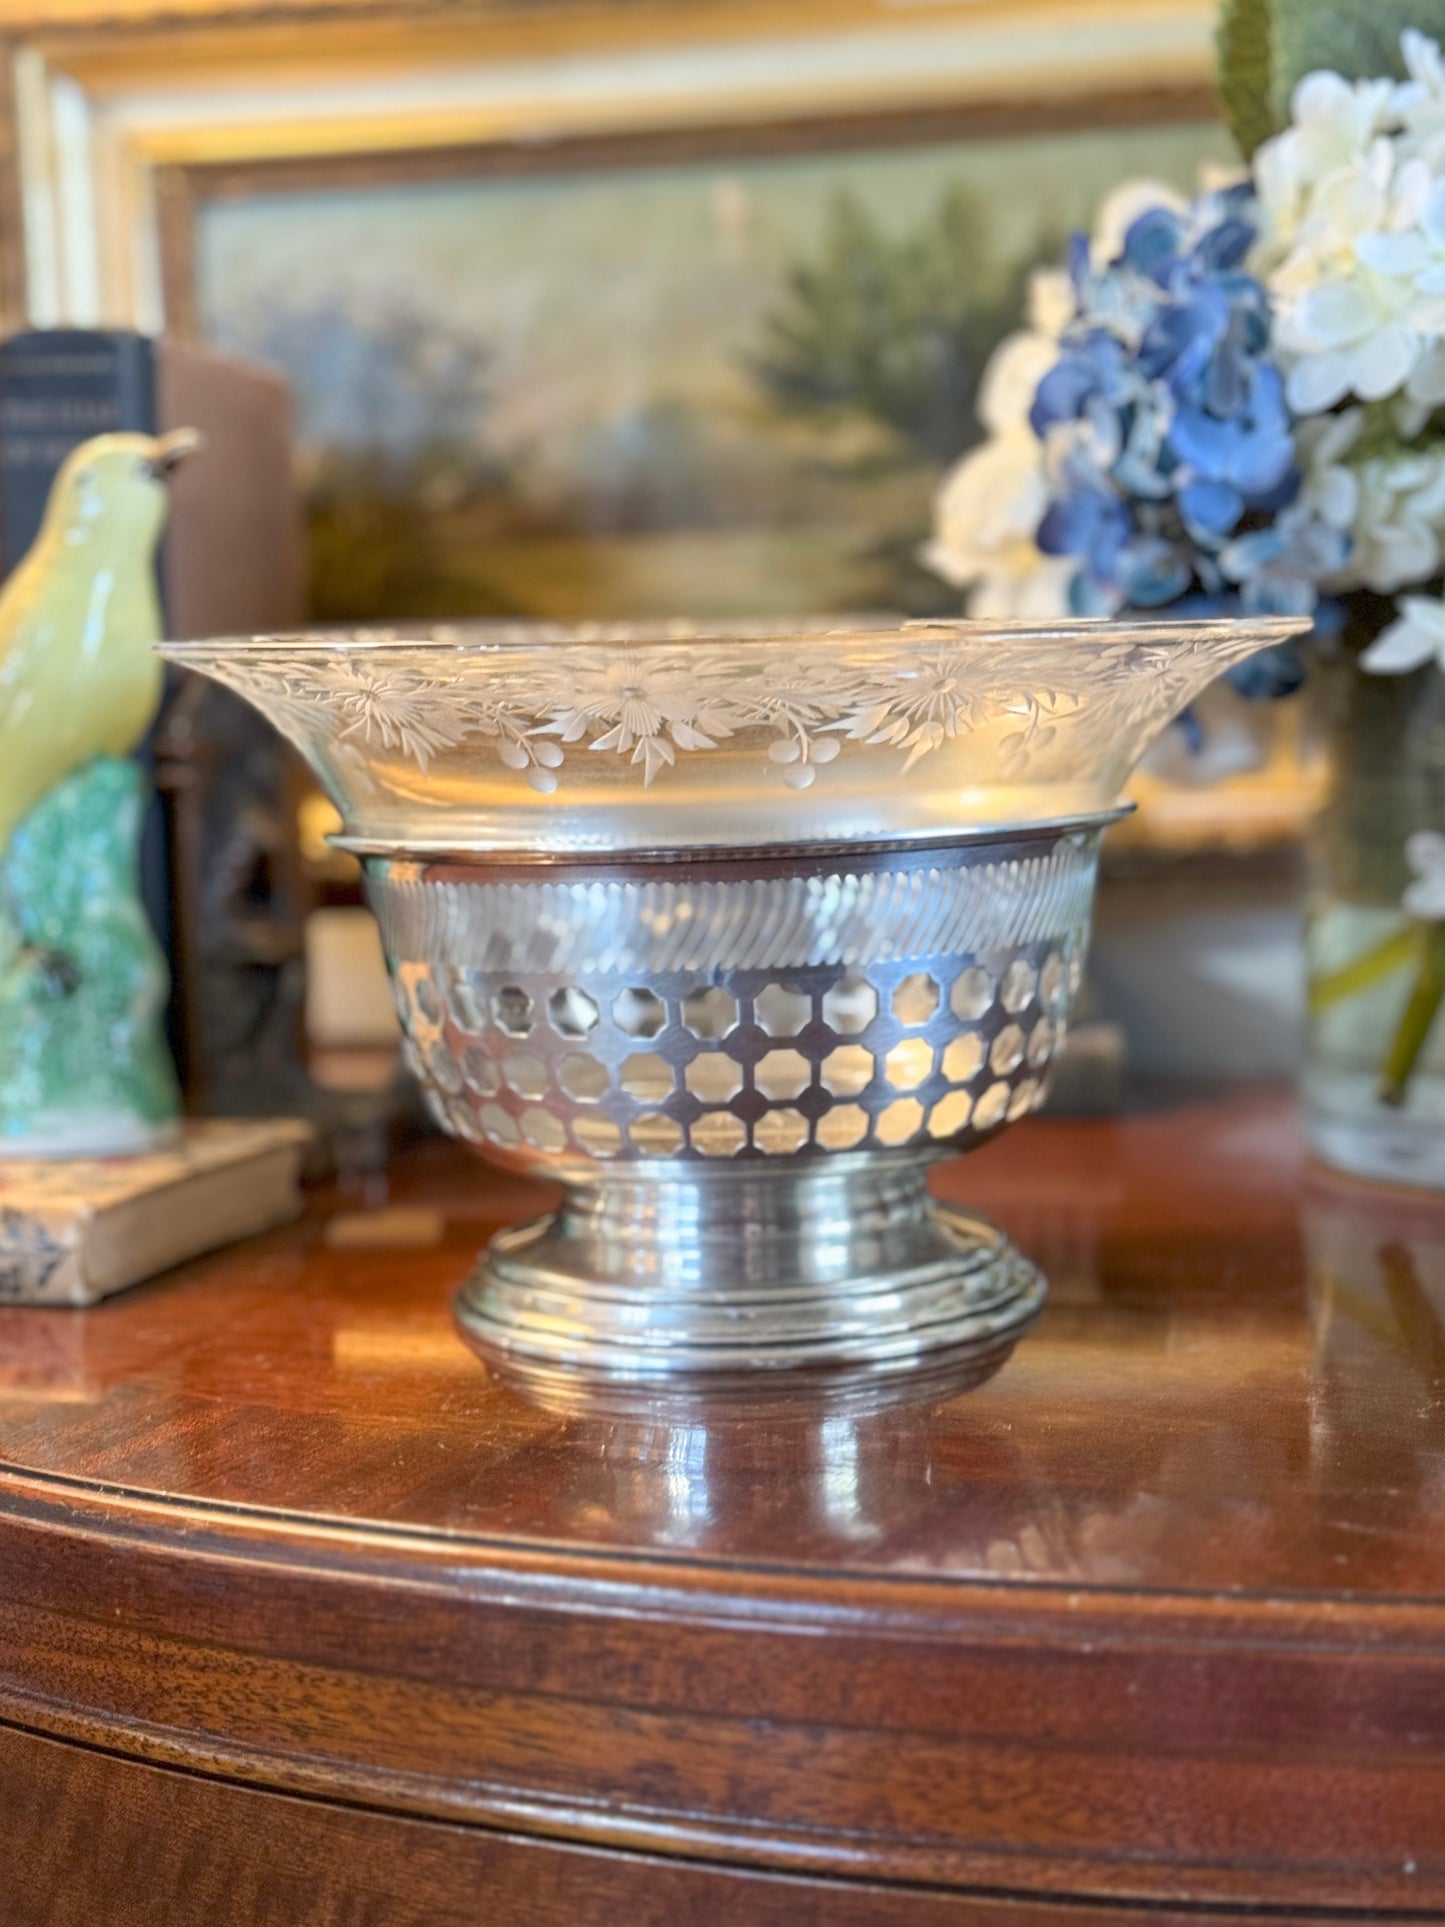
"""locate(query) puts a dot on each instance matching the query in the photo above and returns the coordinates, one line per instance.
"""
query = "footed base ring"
(838, 1265)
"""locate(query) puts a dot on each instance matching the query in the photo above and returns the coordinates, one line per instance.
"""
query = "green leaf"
(1244, 39)
(1357, 38)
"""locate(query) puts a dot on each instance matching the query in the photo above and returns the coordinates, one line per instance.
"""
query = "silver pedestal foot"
(714, 1273)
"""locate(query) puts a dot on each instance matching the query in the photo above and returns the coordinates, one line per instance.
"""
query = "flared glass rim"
(499, 637)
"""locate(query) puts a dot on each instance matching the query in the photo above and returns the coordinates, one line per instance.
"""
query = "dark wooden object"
(306, 1619)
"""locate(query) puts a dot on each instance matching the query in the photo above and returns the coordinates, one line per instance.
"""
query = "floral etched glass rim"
(551, 739)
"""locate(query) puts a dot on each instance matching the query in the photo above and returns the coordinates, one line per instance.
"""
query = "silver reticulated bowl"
(739, 1030)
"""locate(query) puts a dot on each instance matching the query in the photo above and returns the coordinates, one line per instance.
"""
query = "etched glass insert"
(538, 737)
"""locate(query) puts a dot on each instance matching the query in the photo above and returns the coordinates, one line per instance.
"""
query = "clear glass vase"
(1374, 1067)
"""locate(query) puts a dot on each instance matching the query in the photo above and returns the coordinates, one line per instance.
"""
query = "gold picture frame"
(114, 114)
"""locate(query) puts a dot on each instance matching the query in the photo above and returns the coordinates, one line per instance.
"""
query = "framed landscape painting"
(720, 376)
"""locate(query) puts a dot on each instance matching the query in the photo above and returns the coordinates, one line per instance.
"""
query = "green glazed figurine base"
(84, 1070)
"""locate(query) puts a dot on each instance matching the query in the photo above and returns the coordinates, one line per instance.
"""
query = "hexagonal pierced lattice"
(782, 1009)
(916, 999)
(963, 1058)
(796, 1059)
(1017, 989)
(782, 1073)
(847, 1071)
(908, 1064)
(972, 995)
(512, 1009)
(525, 1074)
(718, 1134)
(655, 1135)
(899, 1121)
(541, 1128)
(1041, 1043)
(639, 1013)
(499, 1125)
(584, 1079)
(646, 1075)
(599, 1137)
(950, 1114)
(780, 1132)
(572, 1011)
(480, 1072)
(842, 1128)
(1006, 1052)
(445, 1071)
(710, 1013)
(467, 999)
(850, 1006)
(714, 1079)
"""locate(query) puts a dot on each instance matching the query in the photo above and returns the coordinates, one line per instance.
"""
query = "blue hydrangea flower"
(1168, 443)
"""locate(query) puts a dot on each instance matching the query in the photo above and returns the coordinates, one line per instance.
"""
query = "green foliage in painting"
(1244, 41)
(82, 979)
(376, 544)
(399, 398)
(895, 328)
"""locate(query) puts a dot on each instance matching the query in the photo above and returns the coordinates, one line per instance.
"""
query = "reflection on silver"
(741, 1070)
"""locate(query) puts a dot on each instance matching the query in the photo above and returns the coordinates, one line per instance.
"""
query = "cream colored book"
(72, 1231)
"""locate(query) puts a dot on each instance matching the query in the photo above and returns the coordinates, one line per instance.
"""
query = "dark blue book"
(58, 387)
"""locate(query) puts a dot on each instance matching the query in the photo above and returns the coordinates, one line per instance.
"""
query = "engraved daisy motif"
(397, 710)
(939, 698)
(612, 703)
(918, 709)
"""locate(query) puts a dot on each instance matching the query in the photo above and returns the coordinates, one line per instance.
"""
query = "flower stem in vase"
(1382, 960)
(1418, 1018)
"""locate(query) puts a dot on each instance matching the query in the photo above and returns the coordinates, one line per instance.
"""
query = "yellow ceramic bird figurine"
(79, 619)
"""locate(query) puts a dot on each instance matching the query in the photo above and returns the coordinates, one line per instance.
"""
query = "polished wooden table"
(306, 1619)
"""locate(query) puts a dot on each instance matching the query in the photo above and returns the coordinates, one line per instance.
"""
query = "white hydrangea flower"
(1350, 317)
(1011, 379)
(1392, 505)
(1420, 101)
(1425, 894)
(1399, 525)
(1352, 210)
(987, 516)
(1415, 637)
(1324, 446)
(1334, 125)
(1050, 302)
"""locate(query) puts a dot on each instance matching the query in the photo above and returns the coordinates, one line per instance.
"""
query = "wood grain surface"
(291, 1586)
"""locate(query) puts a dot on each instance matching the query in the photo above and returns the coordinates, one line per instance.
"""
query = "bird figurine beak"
(173, 448)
